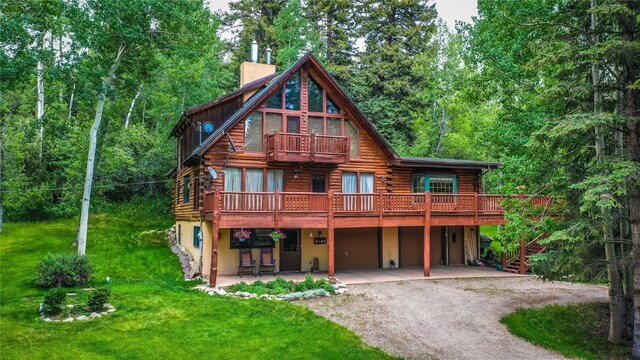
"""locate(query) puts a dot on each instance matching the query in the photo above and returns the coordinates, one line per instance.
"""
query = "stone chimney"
(251, 71)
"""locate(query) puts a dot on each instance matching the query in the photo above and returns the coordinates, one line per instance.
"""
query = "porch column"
(330, 234)
(427, 234)
(215, 238)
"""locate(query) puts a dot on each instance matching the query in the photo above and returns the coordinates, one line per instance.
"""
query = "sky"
(448, 10)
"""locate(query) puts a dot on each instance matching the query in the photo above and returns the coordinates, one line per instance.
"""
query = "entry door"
(290, 251)
(319, 183)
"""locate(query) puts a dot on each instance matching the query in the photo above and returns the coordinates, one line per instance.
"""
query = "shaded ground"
(449, 319)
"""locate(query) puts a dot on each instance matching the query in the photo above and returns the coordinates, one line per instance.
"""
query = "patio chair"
(247, 264)
(267, 262)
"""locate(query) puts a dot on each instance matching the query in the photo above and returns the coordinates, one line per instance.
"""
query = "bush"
(64, 271)
(98, 298)
(54, 301)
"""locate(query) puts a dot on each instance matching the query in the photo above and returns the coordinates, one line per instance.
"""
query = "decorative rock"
(108, 306)
(94, 315)
(211, 292)
(81, 317)
(48, 320)
(238, 293)
(339, 291)
(253, 296)
(111, 310)
(68, 319)
(103, 313)
(222, 292)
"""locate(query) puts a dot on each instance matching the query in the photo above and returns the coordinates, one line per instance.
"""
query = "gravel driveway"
(449, 319)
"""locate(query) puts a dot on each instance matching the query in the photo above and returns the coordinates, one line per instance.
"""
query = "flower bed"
(279, 289)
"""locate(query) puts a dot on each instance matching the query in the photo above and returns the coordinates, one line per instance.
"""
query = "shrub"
(98, 298)
(306, 284)
(64, 271)
(54, 301)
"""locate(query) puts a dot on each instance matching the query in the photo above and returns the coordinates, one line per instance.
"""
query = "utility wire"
(82, 187)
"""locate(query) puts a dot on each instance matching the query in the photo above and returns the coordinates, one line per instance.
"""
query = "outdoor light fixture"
(310, 233)
(319, 233)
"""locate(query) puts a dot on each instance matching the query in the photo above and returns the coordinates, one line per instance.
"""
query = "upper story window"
(253, 132)
(437, 184)
(185, 189)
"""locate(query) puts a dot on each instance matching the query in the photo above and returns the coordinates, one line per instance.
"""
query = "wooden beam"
(523, 257)
(330, 235)
(427, 234)
(215, 238)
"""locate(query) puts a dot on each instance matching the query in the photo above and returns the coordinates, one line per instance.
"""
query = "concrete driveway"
(449, 319)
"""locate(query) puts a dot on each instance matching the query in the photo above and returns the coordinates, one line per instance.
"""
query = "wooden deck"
(307, 148)
(315, 210)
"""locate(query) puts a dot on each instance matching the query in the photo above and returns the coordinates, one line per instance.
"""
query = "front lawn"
(158, 315)
(577, 331)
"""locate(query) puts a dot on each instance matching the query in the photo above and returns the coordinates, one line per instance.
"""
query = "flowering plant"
(277, 234)
(242, 234)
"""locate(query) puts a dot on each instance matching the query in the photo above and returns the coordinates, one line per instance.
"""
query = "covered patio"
(364, 276)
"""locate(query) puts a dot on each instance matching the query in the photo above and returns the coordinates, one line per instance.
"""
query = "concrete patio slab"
(367, 276)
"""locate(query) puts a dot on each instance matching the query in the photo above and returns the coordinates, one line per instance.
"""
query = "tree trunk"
(133, 104)
(617, 320)
(88, 183)
(40, 103)
(73, 92)
(442, 124)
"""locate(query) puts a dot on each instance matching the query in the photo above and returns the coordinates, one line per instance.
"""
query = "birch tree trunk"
(40, 103)
(133, 104)
(617, 321)
(442, 124)
(88, 182)
(73, 92)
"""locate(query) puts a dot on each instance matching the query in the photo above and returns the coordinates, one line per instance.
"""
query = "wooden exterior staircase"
(517, 262)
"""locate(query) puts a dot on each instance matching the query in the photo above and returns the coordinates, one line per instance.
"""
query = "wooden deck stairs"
(518, 263)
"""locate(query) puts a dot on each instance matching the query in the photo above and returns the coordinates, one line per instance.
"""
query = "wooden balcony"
(307, 148)
(315, 210)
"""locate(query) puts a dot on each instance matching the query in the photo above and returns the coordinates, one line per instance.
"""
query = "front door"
(319, 183)
(290, 251)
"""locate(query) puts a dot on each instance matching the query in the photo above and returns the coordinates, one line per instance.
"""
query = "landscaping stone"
(103, 313)
(82, 317)
(68, 319)
(222, 292)
(48, 319)
(253, 296)
(339, 291)
(111, 310)
(94, 315)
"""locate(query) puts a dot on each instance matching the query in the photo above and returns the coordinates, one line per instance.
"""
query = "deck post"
(523, 257)
(330, 235)
(477, 209)
(215, 238)
(427, 234)
(276, 210)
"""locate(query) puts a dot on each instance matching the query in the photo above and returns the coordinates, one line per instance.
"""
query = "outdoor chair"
(267, 262)
(247, 264)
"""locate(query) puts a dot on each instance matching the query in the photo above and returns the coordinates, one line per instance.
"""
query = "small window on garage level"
(196, 236)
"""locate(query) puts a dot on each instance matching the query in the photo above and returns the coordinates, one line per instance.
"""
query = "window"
(362, 183)
(316, 125)
(253, 132)
(293, 124)
(196, 193)
(232, 182)
(334, 126)
(351, 130)
(315, 96)
(185, 189)
(292, 93)
(260, 238)
(177, 191)
(437, 184)
(196, 236)
(331, 107)
(274, 123)
(274, 180)
(275, 101)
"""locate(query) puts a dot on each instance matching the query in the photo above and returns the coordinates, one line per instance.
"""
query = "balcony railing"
(348, 204)
(307, 148)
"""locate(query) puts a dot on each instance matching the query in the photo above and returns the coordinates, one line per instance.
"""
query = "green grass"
(158, 314)
(577, 331)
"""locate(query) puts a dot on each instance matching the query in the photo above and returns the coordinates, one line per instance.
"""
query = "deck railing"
(289, 147)
(359, 203)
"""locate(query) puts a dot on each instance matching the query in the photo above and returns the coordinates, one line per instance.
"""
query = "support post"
(330, 235)
(427, 234)
(215, 239)
(523, 257)
(276, 212)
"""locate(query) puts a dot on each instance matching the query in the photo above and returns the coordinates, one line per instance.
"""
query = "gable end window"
(185, 189)
(437, 184)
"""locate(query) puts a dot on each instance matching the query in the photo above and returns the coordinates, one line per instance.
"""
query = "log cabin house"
(291, 151)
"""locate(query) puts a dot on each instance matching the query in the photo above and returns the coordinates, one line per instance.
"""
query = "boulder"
(48, 319)
(103, 313)
(82, 317)
(94, 315)
(111, 310)
(69, 319)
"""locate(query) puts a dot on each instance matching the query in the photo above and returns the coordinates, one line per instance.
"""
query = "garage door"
(356, 248)
(412, 246)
